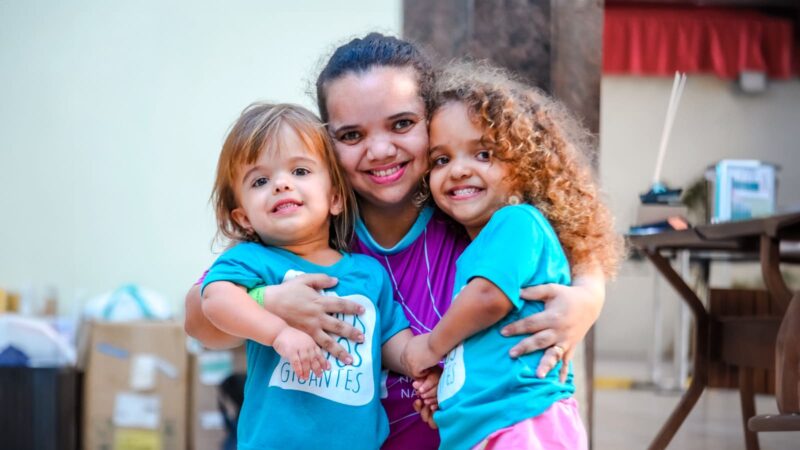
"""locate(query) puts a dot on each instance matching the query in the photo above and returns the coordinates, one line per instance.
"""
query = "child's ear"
(241, 219)
(337, 204)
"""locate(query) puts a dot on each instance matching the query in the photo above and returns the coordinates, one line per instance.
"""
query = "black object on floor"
(39, 408)
(230, 398)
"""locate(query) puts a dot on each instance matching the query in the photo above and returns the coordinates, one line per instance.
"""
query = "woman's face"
(377, 121)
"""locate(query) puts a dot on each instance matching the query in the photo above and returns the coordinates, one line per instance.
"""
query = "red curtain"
(725, 42)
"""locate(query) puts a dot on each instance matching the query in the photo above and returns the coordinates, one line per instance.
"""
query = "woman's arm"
(298, 302)
(199, 327)
(570, 311)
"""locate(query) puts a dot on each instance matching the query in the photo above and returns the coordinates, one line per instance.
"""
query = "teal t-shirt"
(482, 389)
(341, 409)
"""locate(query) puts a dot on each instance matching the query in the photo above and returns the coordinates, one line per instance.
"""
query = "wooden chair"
(787, 376)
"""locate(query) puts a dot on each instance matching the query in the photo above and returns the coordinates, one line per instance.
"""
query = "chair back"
(787, 360)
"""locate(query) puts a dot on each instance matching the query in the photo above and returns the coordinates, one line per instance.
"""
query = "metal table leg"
(700, 378)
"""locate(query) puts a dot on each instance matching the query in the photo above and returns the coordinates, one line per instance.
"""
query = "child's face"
(286, 196)
(377, 121)
(466, 182)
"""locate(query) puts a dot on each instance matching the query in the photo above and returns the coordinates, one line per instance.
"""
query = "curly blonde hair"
(257, 131)
(545, 148)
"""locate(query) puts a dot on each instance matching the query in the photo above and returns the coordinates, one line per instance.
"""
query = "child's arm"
(425, 383)
(229, 308)
(478, 306)
(392, 352)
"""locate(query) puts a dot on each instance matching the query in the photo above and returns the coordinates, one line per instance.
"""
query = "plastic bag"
(34, 337)
(128, 303)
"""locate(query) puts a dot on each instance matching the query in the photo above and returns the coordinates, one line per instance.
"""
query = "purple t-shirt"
(422, 269)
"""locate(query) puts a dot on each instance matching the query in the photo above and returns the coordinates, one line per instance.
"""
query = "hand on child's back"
(298, 301)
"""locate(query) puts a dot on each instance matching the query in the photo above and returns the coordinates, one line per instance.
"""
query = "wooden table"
(757, 238)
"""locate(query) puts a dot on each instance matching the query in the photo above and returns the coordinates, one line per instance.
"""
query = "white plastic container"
(741, 189)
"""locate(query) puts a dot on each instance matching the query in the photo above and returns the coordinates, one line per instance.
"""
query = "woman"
(373, 94)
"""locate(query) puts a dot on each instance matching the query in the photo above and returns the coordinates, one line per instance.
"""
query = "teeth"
(386, 172)
(465, 191)
(286, 205)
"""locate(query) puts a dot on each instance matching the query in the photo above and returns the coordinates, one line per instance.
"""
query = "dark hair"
(374, 50)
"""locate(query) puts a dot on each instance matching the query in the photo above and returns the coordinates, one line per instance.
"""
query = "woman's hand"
(299, 302)
(570, 311)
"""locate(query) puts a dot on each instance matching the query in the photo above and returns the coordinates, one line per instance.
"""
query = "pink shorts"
(559, 427)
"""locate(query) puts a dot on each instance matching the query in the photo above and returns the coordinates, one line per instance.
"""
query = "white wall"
(111, 119)
(112, 115)
(713, 122)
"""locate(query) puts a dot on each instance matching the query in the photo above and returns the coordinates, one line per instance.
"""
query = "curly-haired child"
(507, 163)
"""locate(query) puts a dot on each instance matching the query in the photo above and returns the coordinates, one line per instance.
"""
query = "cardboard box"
(135, 389)
(207, 369)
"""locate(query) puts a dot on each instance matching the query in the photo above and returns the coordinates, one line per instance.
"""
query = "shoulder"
(521, 215)
(369, 269)
(521, 224)
(523, 210)
(366, 263)
(514, 216)
(245, 250)
(249, 254)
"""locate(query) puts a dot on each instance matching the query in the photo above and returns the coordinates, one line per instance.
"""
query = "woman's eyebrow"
(335, 131)
(402, 114)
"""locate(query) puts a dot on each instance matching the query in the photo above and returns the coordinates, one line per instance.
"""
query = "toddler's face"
(286, 196)
(466, 182)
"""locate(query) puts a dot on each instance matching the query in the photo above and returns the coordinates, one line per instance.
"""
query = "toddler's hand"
(427, 387)
(418, 356)
(301, 351)
(425, 413)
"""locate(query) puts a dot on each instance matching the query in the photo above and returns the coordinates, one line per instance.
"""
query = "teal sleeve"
(392, 318)
(506, 252)
(236, 265)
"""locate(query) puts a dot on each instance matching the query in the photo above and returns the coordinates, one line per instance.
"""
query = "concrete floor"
(630, 418)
